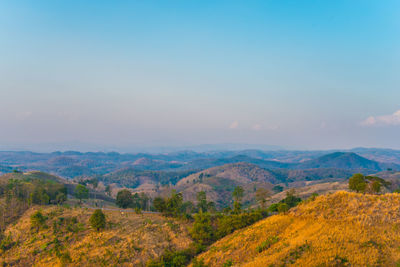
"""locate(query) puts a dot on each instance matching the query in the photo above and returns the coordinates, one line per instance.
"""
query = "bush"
(98, 220)
(268, 243)
(38, 220)
(172, 258)
(202, 231)
(198, 263)
(282, 207)
(6, 243)
(61, 198)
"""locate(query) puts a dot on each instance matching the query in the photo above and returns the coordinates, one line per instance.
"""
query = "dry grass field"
(339, 229)
(67, 239)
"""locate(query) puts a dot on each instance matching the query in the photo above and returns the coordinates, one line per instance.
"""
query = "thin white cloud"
(234, 125)
(392, 119)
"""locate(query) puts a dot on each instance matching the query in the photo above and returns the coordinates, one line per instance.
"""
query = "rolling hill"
(219, 182)
(340, 229)
(67, 239)
(343, 160)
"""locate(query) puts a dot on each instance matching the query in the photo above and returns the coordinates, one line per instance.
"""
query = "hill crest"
(340, 229)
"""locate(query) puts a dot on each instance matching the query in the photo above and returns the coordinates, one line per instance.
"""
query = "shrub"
(61, 198)
(198, 263)
(38, 220)
(172, 258)
(228, 263)
(267, 243)
(202, 231)
(6, 243)
(98, 220)
(282, 207)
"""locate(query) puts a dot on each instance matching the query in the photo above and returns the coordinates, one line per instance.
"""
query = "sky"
(93, 75)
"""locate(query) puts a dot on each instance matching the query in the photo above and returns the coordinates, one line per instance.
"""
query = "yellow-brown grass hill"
(67, 239)
(339, 229)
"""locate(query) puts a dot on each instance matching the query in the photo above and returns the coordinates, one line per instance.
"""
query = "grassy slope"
(129, 240)
(339, 229)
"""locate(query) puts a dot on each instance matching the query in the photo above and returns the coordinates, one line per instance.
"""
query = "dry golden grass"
(340, 229)
(128, 240)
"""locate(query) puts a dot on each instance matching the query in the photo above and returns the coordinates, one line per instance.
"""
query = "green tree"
(38, 220)
(358, 183)
(61, 198)
(173, 205)
(159, 204)
(144, 201)
(202, 230)
(237, 196)
(188, 207)
(277, 188)
(202, 201)
(291, 199)
(282, 207)
(376, 186)
(124, 199)
(238, 193)
(81, 192)
(98, 220)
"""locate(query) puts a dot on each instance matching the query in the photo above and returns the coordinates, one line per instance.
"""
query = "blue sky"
(298, 74)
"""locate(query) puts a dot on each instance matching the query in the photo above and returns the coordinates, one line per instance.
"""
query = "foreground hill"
(340, 229)
(128, 240)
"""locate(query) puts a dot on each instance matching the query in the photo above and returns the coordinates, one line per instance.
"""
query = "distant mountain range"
(72, 164)
(217, 173)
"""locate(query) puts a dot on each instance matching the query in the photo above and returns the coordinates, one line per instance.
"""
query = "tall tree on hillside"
(144, 201)
(81, 192)
(237, 196)
(173, 204)
(124, 199)
(261, 195)
(202, 201)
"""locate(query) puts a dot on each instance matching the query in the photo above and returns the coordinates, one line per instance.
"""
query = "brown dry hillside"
(340, 229)
(219, 182)
(128, 240)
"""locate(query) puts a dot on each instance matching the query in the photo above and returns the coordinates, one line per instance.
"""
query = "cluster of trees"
(94, 182)
(172, 206)
(175, 206)
(367, 184)
(125, 199)
(290, 201)
(34, 191)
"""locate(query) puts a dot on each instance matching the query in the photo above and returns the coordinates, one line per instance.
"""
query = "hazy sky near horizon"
(297, 74)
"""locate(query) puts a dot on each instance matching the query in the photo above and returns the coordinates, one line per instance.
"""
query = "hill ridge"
(341, 229)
